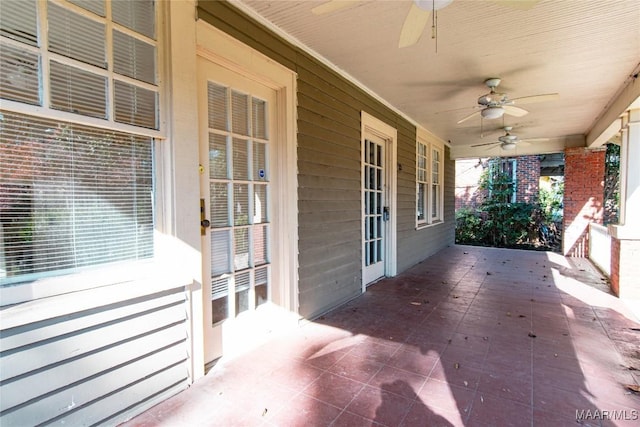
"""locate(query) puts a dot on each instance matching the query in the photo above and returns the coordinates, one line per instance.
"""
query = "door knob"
(205, 223)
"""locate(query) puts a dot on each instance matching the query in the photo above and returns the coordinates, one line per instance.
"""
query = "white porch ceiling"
(585, 50)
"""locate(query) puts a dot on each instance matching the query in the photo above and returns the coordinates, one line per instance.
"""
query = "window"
(502, 179)
(429, 195)
(80, 114)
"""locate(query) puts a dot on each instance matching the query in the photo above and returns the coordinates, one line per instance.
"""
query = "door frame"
(370, 124)
(223, 50)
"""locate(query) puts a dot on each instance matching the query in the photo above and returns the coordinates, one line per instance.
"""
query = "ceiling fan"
(508, 141)
(418, 16)
(494, 105)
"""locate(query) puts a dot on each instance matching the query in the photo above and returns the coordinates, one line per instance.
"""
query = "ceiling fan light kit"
(432, 4)
(509, 146)
(492, 112)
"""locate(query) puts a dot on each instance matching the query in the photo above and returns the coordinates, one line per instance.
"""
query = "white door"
(376, 208)
(236, 122)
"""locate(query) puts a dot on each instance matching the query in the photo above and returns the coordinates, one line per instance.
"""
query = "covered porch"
(471, 336)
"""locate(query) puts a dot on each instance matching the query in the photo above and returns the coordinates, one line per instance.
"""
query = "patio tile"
(492, 411)
(380, 405)
(444, 344)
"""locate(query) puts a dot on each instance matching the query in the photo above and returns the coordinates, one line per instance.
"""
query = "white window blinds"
(92, 58)
(71, 197)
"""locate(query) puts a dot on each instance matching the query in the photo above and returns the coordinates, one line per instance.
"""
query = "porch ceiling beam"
(553, 145)
(608, 124)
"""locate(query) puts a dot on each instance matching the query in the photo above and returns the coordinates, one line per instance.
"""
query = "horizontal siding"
(329, 169)
(88, 366)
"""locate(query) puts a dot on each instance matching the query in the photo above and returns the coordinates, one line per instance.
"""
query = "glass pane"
(218, 156)
(135, 105)
(95, 6)
(240, 159)
(219, 287)
(219, 309)
(18, 21)
(241, 204)
(260, 241)
(259, 203)
(260, 162)
(138, 15)
(19, 81)
(217, 106)
(435, 201)
(421, 188)
(261, 285)
(219, 204)
(72, 196)
(76, 36)
(220, 251)
(78, 91)
(241, 260)
(134, 58)
(243, 284)
(240, 113)
(259, 114)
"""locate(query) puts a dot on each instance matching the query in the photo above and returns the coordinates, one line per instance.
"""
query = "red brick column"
(583, 197)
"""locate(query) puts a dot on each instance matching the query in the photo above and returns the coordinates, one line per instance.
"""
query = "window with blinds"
(73, 196)
(428, 183)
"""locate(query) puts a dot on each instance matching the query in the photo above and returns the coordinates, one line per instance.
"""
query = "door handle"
(385, 213)
(204, 222)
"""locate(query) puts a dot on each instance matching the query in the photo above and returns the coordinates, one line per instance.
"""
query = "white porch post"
(626, 236)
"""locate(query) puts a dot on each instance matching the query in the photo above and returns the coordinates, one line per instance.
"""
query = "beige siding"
(329, 187)
(108, 359)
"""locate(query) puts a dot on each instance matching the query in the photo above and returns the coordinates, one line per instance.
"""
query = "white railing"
(600, 247)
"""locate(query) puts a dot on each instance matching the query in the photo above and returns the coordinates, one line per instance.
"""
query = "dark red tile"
(356, 368)
(381, 406)
(304, 411)
(397, 381)
(492, 411)
(447, 397)
(334, 389)
(413, 360)
(421, 415)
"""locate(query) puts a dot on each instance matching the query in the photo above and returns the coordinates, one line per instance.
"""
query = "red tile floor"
(469, 337)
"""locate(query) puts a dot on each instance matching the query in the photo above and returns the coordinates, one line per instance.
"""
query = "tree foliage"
(499, 222)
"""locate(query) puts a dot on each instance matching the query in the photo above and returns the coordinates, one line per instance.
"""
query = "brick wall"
(625, 268)
(527, 178)
(583, 197)
(468, 174)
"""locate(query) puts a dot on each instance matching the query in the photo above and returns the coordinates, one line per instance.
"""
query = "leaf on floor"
(415, 303)
(521, 315)
(532, 335)
(633, 387)
(456, 365)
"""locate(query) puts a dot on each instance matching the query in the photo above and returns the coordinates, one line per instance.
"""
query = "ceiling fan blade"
(536, 98)
(333, 5)
(470, 116)
(517, 4)
(413, 26)
(515, 111)
(487, 143)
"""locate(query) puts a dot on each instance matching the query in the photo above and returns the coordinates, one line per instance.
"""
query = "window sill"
(54, 306)
(425, 225)
(144, 274)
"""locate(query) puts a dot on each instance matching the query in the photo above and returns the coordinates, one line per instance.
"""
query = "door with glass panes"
(235, 139)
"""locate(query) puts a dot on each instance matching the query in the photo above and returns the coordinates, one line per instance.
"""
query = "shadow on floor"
(470, 337)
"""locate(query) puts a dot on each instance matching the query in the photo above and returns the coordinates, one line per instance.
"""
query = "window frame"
(430, 146)
(499, 162)
(141, 271)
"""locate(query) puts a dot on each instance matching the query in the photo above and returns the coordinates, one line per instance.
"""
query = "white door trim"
(223, 50)
(390, 135)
